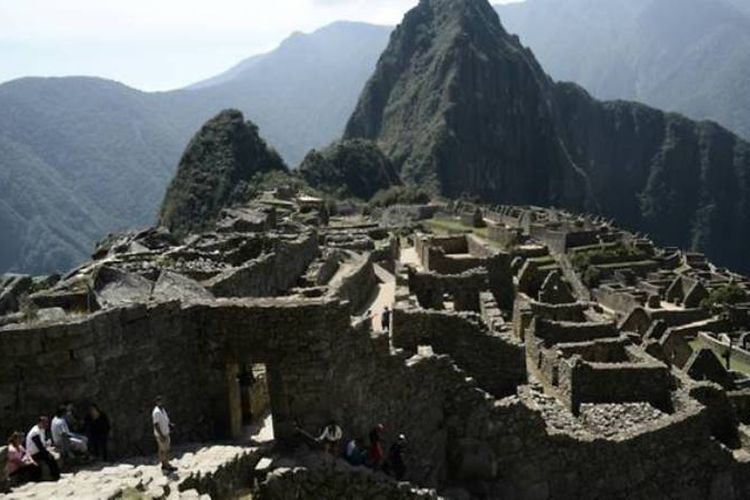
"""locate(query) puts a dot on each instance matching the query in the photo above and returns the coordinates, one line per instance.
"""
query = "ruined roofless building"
(513, 374)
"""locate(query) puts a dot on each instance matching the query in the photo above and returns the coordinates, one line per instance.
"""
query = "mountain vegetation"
(459, 105)
(354, 168)
(220, 160)
(82, 157)
(689, 56)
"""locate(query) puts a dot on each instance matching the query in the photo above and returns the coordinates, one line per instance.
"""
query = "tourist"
(162, 428)
(385, 319)
(376, 447)
(67, 442)
(20, 467)
(355, 454)
(96, 426)
(396, 459)
(70, 417)
(36, 446)
(330, 437)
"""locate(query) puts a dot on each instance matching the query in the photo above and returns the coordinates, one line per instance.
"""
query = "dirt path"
(385, 296)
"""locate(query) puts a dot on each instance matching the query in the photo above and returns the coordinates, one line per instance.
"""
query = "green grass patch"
(446, 225)
(736, 364)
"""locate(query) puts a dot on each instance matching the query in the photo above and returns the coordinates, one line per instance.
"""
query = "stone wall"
(335, 481)
(450, 244)
(560, 332)
(119, 359)
(358, 285)
(500, 276)
(505, 236)
(122, 358)
(591, 382)
(429, 287)
(619, 298)
(674, 457)
(440, 262)
(271, 273)
(495, 360)
(720, 348)
(319, 366)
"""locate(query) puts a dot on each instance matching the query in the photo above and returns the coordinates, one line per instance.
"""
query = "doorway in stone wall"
(250, 417)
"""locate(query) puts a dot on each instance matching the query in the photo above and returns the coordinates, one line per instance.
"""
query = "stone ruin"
(537, 355)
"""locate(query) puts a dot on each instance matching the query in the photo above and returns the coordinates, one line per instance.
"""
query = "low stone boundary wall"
(332, 482)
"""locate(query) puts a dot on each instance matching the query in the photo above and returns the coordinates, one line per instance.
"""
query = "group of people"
(28, 453)
(370, 454)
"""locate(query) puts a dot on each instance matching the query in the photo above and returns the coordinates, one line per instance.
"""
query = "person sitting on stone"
(20, 467)
(330, 436)
(355, 453)
(74, 424)
(36, 446)
(67, 442)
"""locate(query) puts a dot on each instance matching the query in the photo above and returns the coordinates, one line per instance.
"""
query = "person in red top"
(376, 447)
(20, 467)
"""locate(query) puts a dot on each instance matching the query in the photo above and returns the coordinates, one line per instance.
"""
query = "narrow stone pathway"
(386, 296)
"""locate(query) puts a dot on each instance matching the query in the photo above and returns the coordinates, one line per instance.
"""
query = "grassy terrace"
(451, 225)
(736, 364)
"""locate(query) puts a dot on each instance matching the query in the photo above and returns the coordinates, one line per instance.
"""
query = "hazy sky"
(161, 44)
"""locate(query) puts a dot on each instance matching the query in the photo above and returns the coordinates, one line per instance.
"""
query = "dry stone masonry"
(533, 354)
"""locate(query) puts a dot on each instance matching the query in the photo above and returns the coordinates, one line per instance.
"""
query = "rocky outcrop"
(219, 163)
(459, 104)
(683, 182)
(12, 288)
(355, 168)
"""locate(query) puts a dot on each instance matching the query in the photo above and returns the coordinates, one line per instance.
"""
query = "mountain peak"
(218, 163)
(460, 106)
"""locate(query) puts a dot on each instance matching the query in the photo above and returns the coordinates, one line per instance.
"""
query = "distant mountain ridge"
(81, 157)
(458, 103)
(689, 56)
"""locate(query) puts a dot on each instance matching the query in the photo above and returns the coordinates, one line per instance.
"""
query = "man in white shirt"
(330, 437)
(63, 439)
(36, 446)
(162, 428)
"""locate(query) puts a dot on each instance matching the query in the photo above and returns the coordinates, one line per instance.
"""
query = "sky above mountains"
(161, 44)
